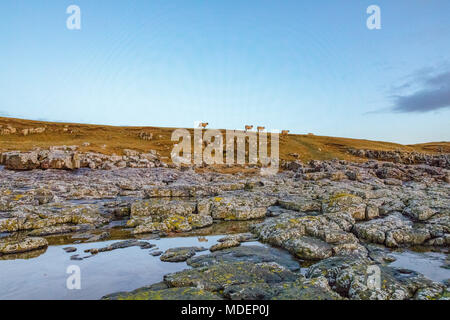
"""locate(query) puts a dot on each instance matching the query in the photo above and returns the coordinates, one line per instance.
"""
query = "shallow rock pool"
(44, 276)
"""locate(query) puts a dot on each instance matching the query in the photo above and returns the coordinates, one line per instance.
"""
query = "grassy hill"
(113, 139)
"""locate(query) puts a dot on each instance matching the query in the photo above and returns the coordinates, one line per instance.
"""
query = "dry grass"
(111, 139)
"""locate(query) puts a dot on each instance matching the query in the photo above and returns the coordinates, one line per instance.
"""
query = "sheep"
(203, 125)
(247, 127)
(260, 129)
(284, 132)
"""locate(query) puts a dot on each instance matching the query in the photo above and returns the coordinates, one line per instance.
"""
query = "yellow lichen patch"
(177, 223)
(338, 196)
(18, 197)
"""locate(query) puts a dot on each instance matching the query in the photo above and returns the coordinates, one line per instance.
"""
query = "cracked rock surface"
(327, 213)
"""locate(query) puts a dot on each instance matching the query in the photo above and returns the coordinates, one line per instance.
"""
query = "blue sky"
(306, 66)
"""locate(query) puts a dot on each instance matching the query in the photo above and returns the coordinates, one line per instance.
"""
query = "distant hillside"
(19, 134)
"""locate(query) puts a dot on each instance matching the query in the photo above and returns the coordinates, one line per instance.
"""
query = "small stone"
(179, 254)
(224, 245)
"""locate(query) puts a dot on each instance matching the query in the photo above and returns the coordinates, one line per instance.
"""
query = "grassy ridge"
(113, 139)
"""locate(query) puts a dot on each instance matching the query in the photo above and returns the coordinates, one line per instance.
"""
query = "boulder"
(346, 202)
(61, 160)
(393, 231)
(21, 160)
(309, 248)
(199, 221)
(236, 207)
(160, 209)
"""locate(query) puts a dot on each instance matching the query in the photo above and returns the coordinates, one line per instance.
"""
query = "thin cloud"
(4, 114)
(434, 94)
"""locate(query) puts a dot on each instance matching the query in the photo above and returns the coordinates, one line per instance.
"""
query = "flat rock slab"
(180, 254)
(348, 276)
(219, 276)
(301, 289)
(121, 245)
(309, 248)
(241, 237)
(256, 254)
(12, 246)
(310, 237)
(379, 254)
(160, 291)
(60, 229)
(24, 255)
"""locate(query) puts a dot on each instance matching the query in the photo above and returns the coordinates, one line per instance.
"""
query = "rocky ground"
(339, 218)
(69, 158)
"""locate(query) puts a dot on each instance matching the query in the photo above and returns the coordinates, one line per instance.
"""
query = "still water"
(44, 277)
